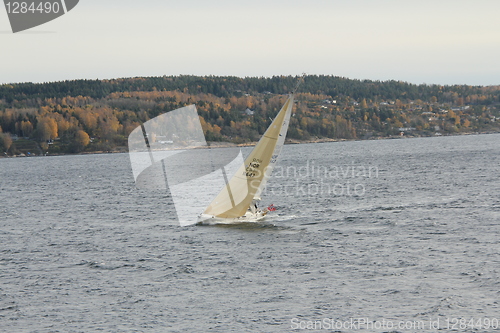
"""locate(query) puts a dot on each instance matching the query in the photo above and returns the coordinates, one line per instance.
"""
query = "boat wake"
(246, 225)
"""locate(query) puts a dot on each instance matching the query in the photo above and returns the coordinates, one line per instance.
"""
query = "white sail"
(248, 183)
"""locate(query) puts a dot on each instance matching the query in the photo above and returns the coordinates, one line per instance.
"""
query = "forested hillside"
(98, 115)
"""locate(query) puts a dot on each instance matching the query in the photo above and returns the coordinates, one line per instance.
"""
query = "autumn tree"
(47, 129)
(82, 138)
(80, 141)
(5, 141)
(26, 128)
(343, 128)
(363, 104)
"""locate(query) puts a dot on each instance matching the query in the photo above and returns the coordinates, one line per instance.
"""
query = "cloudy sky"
(419, 41)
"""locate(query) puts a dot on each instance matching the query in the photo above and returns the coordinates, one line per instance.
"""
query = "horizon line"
(248, 77)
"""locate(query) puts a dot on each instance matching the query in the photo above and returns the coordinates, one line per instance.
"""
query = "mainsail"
(249, 181)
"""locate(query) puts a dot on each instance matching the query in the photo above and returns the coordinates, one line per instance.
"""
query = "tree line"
(98, 115)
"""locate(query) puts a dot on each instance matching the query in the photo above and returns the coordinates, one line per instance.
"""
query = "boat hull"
(247, 218)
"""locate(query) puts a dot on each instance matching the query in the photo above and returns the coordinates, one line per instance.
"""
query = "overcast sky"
(419, 41)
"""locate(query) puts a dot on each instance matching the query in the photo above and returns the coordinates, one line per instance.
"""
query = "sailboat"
(162, 152)
(238, 200)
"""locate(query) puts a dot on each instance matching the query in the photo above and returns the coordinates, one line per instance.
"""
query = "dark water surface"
(396, 230)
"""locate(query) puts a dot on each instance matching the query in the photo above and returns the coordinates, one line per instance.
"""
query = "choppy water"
(417, 239)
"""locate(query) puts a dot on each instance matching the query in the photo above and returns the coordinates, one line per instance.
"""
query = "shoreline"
(218, 144)
(221, 144)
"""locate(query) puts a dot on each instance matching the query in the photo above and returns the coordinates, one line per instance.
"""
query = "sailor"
(253, 207)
